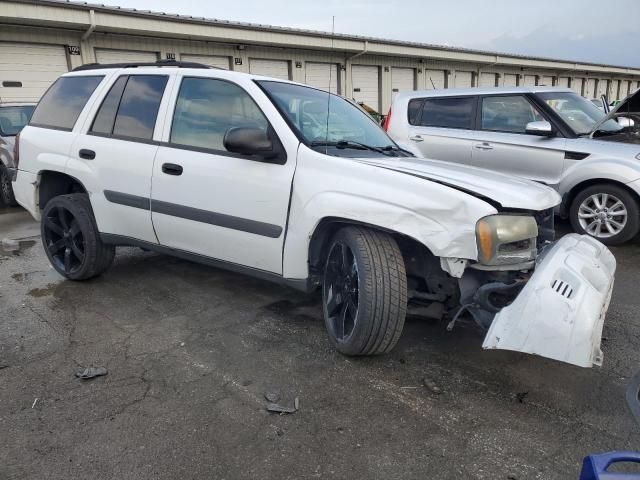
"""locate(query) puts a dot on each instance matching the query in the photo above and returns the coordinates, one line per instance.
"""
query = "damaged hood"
(630, 105)
(505, 190)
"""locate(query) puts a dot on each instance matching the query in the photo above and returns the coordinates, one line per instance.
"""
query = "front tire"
(71, 239)
(6, 189)
(606, 212)
(364, 291)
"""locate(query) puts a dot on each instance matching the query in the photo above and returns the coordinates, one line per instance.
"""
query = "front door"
(209, 201)
(502, 144)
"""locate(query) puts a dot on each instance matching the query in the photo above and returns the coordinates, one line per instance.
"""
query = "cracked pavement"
(191, 350)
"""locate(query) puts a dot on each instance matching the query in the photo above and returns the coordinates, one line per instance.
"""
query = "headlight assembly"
(506, 239)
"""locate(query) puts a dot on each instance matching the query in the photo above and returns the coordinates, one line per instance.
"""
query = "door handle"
(483, 146)
(417, 138)
(87, 154)
(171, 169)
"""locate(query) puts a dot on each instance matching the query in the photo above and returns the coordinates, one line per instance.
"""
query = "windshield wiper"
(354, 145)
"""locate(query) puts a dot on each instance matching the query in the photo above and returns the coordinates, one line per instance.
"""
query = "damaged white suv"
(294, 185)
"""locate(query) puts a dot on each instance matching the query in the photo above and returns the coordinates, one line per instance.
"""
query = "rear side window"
(448, 112)
(60, 107)
(413, 110)
(207, 108)
(131, 107)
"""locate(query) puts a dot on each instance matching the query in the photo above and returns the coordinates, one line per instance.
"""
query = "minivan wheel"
(364, 291)
(606, 212)
(6, 189)
(71, 239)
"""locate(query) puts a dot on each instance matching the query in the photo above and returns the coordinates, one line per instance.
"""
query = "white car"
(547, 134)
(13, 117)
(251, 174)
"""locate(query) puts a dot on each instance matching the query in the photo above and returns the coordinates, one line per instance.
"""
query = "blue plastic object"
(594, 467)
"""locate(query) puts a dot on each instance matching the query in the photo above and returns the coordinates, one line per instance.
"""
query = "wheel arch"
(569, 196)
(52, 183)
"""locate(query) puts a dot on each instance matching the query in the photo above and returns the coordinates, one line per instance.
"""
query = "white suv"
(550, 135)
(294, 185)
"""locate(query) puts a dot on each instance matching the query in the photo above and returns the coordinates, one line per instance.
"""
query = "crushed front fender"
(560, 312)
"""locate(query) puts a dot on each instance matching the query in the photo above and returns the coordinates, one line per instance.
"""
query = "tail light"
(385, 127)
(16, 151)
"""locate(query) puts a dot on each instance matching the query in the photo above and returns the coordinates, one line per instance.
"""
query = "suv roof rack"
(158, 63)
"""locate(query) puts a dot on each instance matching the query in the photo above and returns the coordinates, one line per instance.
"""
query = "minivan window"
(138, 110)
(448, 112)
(508, 114)
(207, 108)
(14, 118)
(61, 105)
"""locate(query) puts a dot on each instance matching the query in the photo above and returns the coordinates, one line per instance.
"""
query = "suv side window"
(207, 108)
(448, 112)
(131, 107)
(61, 105)
(508, 114)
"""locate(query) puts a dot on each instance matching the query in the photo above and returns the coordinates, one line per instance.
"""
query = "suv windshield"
(578, 112)
(343, 129)
(14, 118)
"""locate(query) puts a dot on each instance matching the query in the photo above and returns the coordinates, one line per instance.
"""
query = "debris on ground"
(282, 409)
(272, 397)
(431, 385)
(520, 397)
(91, 372)
(34, 403)
(9, 245)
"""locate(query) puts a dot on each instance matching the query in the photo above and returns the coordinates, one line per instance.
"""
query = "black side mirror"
(248, 141)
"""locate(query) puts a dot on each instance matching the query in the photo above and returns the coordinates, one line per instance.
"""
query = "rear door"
(212, 202)
(502, 144)
(115, 154)
(442, 128)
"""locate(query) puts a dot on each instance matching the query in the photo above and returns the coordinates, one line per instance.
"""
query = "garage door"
(269, 68)
(510, 80)
(577, 84)
(590, 89)
(563, 82)
(34, 66)
(487, 79)
(624, 89)
(366, 89)
(546, 81)
(211, 60)
(434, 79)
(402, 80)
(124, 56)
(602, 87)
(529, 80)
(463, 79)
(322, 75)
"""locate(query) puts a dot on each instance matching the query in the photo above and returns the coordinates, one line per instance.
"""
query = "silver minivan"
(547, 134)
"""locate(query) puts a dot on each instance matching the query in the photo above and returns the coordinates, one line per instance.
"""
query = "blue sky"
(581, 30)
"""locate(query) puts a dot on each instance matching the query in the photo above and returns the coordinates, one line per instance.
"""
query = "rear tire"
(364, 291)
(71, 239)
(6, 189)
(606, 212)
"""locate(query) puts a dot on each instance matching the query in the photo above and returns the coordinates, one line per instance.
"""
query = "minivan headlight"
(506, 239)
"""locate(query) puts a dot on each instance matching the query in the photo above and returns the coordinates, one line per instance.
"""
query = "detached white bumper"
(560, 312)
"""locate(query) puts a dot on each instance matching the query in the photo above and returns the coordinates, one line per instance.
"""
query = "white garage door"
(124, 56)
(434, 79)
(365, 81)
(34, 66)
(510, 80)
(487, 80)
(269, 68)
(577, 84)
(322, 75)
(211, 60)
(563, 82)
(624, 89)
(462, 79)
(590, 89)
(529, 80)
(546, 81)
(614, 88)
(602, 87)
(402, 80)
